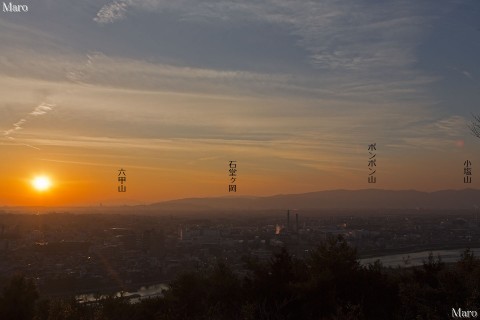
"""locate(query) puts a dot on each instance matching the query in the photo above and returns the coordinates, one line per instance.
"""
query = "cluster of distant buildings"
(86, 253)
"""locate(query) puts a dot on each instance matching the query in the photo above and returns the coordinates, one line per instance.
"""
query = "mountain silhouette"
(334, 199)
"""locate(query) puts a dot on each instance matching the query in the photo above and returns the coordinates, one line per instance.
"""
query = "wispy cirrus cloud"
(346, 35)
(42, 109)
(39, 110)
(355, 48)
(16, 126)
(111, 12)
(101, 70)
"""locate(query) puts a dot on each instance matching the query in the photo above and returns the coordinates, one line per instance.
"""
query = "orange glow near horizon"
(89, 177)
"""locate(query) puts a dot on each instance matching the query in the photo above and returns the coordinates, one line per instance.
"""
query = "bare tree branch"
(475, 126)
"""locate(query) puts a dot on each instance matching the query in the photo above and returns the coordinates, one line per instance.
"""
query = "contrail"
(39, 110)
(27, 145)
(75, 76)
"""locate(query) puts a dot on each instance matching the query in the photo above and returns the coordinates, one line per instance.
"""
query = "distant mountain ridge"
(334, 199)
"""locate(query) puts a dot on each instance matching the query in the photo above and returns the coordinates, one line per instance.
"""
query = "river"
(394, 260)
(417, 258)
(155, 290)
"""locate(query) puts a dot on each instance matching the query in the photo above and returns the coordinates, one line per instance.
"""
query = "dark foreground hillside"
(330, 284)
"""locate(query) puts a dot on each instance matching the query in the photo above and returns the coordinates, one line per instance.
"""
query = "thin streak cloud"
(109, 165)
(42, 109)
(39, 110)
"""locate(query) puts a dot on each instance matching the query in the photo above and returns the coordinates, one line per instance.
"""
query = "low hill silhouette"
(334, 199)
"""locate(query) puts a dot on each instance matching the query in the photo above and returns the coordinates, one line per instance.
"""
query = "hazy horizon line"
(131, 203)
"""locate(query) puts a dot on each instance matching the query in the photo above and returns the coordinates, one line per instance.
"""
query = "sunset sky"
(294, 91)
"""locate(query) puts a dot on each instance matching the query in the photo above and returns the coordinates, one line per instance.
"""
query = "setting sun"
(41, 183)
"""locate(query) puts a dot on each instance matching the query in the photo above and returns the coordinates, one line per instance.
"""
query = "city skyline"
(294, 92)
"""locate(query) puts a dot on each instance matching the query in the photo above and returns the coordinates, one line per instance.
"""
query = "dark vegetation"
(329, 285)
